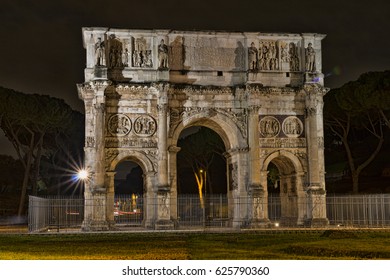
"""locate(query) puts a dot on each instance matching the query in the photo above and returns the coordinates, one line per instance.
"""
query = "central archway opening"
(201, 178)
(129, 191)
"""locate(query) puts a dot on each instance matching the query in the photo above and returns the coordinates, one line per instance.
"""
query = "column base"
(289, 221)
(259, 223)
(96, 226)
(164, 225)
(317, 222)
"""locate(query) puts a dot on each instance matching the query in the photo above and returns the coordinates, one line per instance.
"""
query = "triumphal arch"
(261, 93)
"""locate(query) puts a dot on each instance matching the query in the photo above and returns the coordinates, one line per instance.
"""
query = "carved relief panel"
(292, 127)
(145, 125)
(273, 55)
(269, 127)
(268, 55)
(119, 125)
(281, 131)
(142, 53)
(131, 130)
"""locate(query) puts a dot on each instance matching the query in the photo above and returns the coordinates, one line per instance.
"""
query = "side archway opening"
(283, 185)
(129, 193)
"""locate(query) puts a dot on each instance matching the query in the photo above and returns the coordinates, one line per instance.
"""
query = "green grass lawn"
(331, 244)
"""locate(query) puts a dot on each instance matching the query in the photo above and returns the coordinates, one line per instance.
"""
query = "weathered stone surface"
(262, 93)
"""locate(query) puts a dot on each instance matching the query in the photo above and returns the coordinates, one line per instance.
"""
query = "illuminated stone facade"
(262, 93)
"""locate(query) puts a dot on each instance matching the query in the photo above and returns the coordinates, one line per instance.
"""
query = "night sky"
(42, 52)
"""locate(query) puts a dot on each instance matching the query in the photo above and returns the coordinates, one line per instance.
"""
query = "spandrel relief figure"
(252, 57)
(310, 55)
(163, 55)
(100, 59)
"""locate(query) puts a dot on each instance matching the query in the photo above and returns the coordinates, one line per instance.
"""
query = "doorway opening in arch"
(201, 178)
(129, 191)
(283, 205)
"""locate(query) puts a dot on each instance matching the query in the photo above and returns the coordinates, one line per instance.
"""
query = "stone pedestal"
(316, 204)
(96, 219)
(164, 221)
(258, 210)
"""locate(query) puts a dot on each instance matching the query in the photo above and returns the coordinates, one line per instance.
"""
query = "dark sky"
(42, 52)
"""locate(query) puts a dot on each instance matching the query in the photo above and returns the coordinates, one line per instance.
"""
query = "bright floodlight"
(82, 174)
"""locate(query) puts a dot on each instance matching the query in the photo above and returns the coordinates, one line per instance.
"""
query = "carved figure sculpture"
(148, 59)
(136, 59)
(294, 60)
(125, 58)
(269, 127)
(119, 125)
(310, 58)
(163, 55)
(145, 126)
(273, 61)
(292, 127)
(252, 57)
(100, 53)
(284, 55)
(112, 58)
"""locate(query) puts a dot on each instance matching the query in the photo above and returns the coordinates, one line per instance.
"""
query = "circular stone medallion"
(292, 127)
(119, 125)
(145, 126)
(269, 127)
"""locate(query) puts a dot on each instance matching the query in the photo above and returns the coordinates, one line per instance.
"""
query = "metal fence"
(48, 213)
(215, 212)
(64, 213)
(128, 210)
(359, 210)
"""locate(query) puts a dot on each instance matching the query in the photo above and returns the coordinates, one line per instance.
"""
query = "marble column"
(95, 212)
(316, 212)
(150, 199)
(110, 183)
(257, 192)
(163, 199)
(173, 150)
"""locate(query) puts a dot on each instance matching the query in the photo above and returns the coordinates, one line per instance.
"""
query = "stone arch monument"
(262, 94)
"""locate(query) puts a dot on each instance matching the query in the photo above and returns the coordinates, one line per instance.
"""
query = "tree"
(64, 155)
(199, 151)
(11, 172)
(27, 119)
(370, 92)
(356, 114)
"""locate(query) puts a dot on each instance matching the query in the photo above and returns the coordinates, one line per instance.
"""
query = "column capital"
(254, 109)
